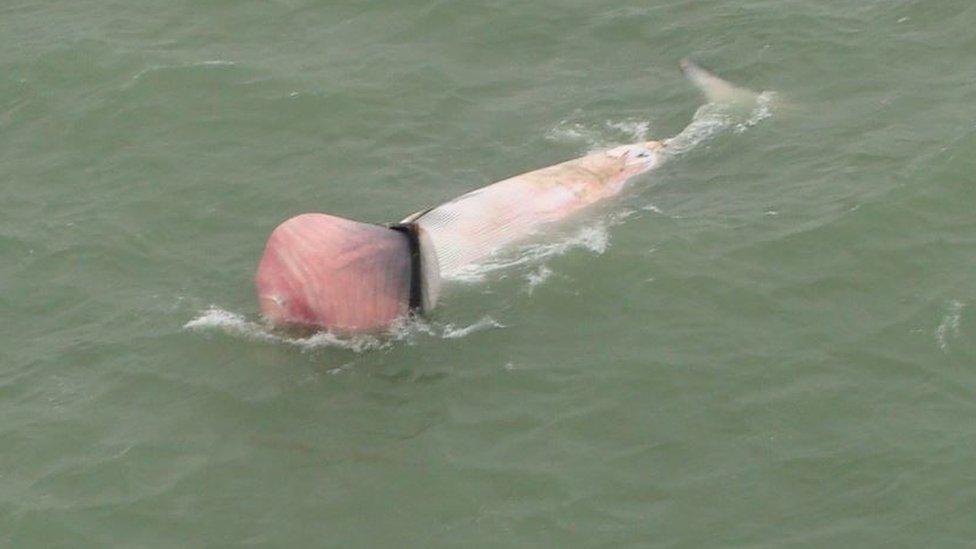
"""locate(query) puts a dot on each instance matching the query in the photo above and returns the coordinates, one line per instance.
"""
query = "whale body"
(345, 276)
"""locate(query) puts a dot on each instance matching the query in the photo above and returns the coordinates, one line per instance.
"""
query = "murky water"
(768, 341)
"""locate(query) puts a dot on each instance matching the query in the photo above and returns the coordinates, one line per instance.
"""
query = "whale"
(327, 272)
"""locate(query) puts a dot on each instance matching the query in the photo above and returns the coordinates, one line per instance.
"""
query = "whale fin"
(714, 88)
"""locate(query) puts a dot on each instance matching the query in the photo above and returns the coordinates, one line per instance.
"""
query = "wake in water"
(712, 119)
(217, 320)
(728, 107)
(611, 132)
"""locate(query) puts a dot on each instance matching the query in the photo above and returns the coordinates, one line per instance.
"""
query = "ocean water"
(770, 341)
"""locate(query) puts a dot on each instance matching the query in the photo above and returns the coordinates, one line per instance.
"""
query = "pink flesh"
(325, 271)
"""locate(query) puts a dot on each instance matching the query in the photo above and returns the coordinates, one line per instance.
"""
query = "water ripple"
(216, 319)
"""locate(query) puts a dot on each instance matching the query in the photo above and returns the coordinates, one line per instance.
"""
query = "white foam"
(712, 119)
(597, 137)
(574, 132)
(762, 111)
(636, 130)
(230, 323)
(709, 121)
(216, 318)
(949, 327)
(485, 323)
(220, 320)
(537, 277)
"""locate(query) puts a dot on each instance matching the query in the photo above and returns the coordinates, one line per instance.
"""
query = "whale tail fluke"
(715, 89)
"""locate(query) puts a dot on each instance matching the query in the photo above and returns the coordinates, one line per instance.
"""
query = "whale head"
(638, 158)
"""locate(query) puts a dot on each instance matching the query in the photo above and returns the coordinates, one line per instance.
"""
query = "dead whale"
(346, 276)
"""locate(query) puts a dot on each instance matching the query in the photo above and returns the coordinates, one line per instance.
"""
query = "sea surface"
(770, 341)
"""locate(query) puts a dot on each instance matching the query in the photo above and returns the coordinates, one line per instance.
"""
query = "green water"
(769, 342)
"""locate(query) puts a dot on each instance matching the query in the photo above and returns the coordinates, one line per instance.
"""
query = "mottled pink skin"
(323, 271)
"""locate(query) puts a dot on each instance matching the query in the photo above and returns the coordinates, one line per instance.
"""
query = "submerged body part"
(345, 276)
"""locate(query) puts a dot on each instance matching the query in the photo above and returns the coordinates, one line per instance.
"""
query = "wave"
(156, 69)
(486, 323)
(949, 327)
(216, 319)
(708, 121)
(537, 277)
(711, 119)
(608, 134)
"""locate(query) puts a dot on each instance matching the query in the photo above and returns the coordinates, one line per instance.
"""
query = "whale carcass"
(323, 271)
